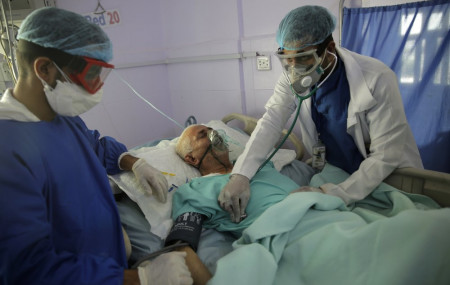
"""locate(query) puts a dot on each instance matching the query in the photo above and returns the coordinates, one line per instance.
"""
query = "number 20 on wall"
(105, 19)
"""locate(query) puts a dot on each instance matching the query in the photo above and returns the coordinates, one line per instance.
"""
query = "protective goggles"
(91, 74)
(302, 62)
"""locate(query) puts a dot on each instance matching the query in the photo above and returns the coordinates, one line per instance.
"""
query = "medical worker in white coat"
(355, 117)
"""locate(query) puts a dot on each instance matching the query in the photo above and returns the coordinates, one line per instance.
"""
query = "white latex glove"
(234, 196)
(151, 180)
(308, 189)
(168, 268)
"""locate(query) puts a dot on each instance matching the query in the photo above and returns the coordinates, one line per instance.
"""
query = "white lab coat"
(375, 117)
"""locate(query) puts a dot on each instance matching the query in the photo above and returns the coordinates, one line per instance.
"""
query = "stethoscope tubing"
(297, 113)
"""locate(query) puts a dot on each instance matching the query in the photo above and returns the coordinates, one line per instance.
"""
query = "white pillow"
(163, 157)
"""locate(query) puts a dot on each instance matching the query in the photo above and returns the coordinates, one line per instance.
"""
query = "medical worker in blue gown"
(59, 222)
(355, 119)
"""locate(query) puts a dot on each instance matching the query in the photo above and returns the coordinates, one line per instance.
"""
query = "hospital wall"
(181, 55)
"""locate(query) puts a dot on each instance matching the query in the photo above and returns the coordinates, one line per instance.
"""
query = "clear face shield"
(303, 69)
(92, 75)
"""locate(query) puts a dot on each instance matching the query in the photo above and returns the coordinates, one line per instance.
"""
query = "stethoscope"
(301, 98)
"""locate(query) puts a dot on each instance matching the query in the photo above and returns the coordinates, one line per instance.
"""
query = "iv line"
(145, 100)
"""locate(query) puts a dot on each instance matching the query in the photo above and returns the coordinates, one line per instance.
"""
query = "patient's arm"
(198, 270)
(126, 161)
(187, 228)
(131, 277)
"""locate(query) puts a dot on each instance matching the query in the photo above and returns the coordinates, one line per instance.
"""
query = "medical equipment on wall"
(11, 15)
(8, 48)
(9, 33)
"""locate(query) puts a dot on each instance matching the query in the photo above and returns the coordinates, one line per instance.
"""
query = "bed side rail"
(434, 184)
(250, 124)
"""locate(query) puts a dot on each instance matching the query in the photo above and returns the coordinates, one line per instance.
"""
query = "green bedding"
(311, 238)
(200, 195)
(390, 237)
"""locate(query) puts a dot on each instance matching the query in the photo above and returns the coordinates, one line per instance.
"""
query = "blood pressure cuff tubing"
(187, 227)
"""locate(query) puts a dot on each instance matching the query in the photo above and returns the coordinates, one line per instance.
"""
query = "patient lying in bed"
(315, 224)
(148, 222)
(195, 148)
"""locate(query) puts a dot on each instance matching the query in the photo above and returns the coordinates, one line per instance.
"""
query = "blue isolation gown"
(59, 222)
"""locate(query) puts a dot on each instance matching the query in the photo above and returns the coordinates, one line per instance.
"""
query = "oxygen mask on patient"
(217, 140)
(217, 145)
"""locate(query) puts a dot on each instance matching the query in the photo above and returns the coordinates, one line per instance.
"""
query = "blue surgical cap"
(67, 31)
(305, 26)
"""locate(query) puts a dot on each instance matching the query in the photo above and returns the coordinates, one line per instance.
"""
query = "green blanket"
(312, 238)
(200, 195)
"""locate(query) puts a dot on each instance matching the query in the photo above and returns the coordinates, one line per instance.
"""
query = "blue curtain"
(413, 39)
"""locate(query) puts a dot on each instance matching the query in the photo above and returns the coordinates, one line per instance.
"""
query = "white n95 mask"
(70, 99)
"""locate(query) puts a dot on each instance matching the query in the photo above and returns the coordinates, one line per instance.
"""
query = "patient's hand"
(308, 189)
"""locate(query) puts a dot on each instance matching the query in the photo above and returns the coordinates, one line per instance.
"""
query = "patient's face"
(199, 138)
(200, 143)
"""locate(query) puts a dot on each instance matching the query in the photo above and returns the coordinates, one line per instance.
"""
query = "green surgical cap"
(67, 31)
(305, 26)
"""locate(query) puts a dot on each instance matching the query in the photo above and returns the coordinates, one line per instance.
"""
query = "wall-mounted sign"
(105, 19)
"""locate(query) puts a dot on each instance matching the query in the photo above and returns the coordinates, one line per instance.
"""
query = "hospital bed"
(147, 221)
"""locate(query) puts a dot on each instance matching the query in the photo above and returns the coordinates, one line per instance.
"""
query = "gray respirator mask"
(303, 69)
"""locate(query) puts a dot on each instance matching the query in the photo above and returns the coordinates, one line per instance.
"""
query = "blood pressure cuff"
(187, 227)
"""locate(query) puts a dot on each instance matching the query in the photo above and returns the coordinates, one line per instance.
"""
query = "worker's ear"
(45, 69)
(331, 47)
(189, 159)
